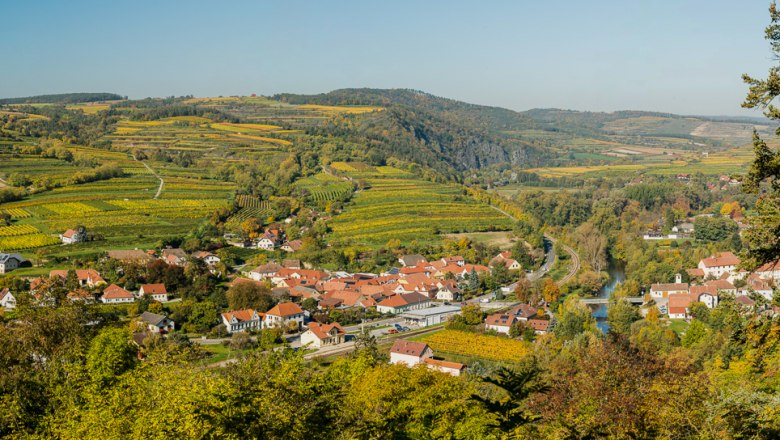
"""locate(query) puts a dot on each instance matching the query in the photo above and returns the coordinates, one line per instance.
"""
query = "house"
(759, 286)
(412, 260)
(500, 322)
(404, 302)
(524, 312)
(207, 257)
(269, 241)
(264, 271)
(7, 299)
(114, 294)
(174, 256)
(745, 302)
(663, 290)
(683, 228)
(409, 353)
(242, 320)
(86, 277)
(505, 258)
(448, 291)
(678, 305)
(430, 316)
(131, 256)
(719, 264)
(157, 323)
(722, 285)
(319, 335)
(770, 271)
(292, 246)
(456, 260)
(158, 292)
(709, 295)
(452, 368)
(292, 264)
(282, 314)
(9, 262)
(72, 236)
(540, 326)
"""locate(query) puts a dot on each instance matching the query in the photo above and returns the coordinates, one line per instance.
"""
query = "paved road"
(575, 259)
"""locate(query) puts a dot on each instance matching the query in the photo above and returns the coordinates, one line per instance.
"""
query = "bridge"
(599, 301)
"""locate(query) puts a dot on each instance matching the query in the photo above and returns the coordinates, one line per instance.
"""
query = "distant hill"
(63, 98)
(428, 129)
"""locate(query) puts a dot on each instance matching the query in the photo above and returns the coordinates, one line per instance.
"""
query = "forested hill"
(63, 98)
(428, 129)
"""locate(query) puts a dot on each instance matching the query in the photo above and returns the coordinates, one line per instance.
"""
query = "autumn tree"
(550, 290)
(249, 295)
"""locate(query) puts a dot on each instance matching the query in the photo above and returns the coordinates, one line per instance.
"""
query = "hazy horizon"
(682, 58)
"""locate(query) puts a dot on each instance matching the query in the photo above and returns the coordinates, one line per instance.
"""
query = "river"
(617, 275)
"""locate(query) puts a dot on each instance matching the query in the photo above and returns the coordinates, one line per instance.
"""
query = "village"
(416, 296)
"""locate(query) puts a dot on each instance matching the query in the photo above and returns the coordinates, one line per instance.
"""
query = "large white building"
(717, 265)
(242, 320)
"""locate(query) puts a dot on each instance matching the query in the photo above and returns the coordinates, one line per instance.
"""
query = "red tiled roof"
(114, 291)
(722, 259)
(241, 315)
(695, 272)
(402, 346)
(680, 300)
(444, 364)
(153, 289)
(285, 309)
(720, 284)
(500, 319)
(322, 331)
(539, 324)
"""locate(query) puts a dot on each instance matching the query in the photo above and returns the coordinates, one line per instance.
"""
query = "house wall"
(408, 360)
(499, 328)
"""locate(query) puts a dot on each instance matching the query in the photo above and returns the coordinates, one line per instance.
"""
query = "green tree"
(621, 314)
(695, 333)
(517, 386)
(110, 354)
(573, 318)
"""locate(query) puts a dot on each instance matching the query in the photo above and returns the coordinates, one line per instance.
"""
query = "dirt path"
(162, 182)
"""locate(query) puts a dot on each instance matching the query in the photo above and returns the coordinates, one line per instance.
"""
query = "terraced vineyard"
(400, 205)
(473, 345)
(323, 187)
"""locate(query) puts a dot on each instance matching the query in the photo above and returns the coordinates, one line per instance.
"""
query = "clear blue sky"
(677, 56)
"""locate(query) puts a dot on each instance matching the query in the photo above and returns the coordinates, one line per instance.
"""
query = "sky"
(680, 56)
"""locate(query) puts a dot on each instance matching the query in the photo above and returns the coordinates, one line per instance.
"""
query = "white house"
(319, 335)
(663, 290)
(770, 271)
(157, 292)
(72, 236)
(242, 320)
(7, 299)
(283, 314)
(9, 262)
(157, 323)
(719, 264)
(505, 258)
(500, 322)
(706, 294)
(678, 305)
(207, 257)
(264, 271)
(114, 294)
(174, 256)
(409, 353)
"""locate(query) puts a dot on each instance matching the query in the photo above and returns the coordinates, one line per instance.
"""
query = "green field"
(400, 205)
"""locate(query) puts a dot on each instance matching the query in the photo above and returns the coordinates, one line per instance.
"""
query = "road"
(162, 182)
(574, 267)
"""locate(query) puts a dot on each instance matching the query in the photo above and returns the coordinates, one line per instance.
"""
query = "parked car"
(405, 329)
(484, 300)
(398, 327)
(392, 331)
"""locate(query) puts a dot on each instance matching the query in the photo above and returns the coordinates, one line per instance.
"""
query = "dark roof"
(152, 318)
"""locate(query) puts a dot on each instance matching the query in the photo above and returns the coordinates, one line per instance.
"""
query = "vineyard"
(323, 187)
(492, 348)
(10, 231)
(400, 205)
(20, 237)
